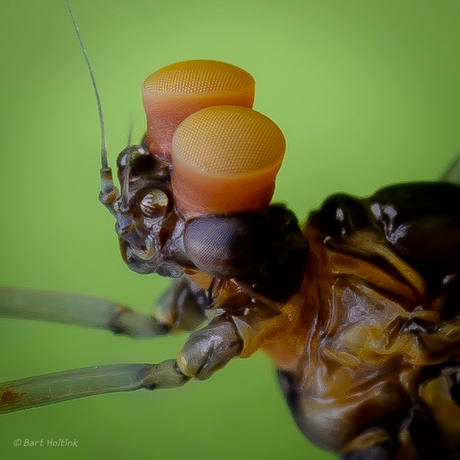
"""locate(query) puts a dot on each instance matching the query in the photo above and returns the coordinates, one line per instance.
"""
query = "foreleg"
(205, 352)
(181, 308)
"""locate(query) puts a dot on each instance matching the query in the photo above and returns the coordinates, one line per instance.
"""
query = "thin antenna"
(104, 162)
(131, 129)
(125, 189)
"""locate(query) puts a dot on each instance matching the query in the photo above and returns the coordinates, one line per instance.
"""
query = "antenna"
(96, 92)
(108, 191)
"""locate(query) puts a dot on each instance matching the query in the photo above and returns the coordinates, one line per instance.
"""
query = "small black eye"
(228, 246)
(128, 154)
(153, 203)
(143, 165)
(138, 159)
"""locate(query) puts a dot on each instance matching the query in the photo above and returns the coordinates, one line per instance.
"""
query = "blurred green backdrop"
(366, 92)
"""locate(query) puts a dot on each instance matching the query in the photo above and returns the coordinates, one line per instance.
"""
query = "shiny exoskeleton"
(360, 311)
(377, 372)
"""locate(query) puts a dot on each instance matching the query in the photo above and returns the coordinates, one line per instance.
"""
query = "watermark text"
(59, 442)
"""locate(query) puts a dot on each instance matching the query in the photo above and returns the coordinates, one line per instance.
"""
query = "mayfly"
(358, 309)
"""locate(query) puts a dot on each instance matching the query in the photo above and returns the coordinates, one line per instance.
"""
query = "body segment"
(377, 365)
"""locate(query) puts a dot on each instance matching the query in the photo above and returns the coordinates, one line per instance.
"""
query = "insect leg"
(210, 348)
(78, 383)
(205, 352)
(80, 310)
(181, 307)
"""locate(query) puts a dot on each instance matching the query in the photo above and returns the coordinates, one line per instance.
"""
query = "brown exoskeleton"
(359, 311)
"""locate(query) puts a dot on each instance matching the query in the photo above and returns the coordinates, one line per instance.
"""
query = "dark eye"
(143, 165)
(127, 155)
(153, 203)
(228, 246)
(138, 159)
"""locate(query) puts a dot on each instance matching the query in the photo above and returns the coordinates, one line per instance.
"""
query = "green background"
(366, 92)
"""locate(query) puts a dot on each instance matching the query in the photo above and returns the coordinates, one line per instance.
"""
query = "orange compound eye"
(174, 92)
(225, 159)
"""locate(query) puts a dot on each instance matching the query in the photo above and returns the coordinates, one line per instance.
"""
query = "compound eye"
(174, 92)
(228, 246)
(154, 204)
(225, 159)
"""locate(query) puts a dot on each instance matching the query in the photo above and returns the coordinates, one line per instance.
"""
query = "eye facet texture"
(174, 92)
(230, 246)
(225, 159)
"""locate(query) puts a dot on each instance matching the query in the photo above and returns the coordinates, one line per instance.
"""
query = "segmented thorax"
(376, 357)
